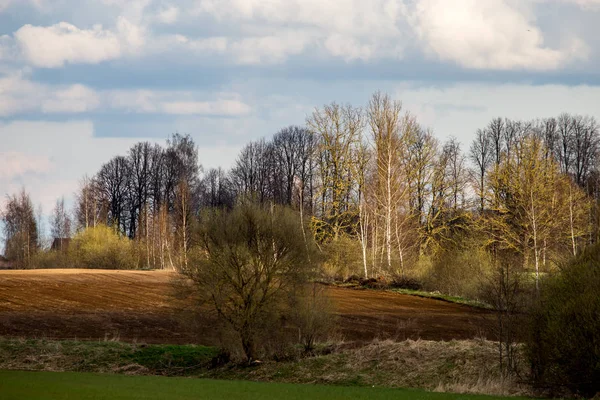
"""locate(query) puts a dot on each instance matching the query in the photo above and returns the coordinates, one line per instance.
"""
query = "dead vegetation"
(464, 366)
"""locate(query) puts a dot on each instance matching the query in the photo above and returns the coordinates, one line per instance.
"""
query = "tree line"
(371, 182)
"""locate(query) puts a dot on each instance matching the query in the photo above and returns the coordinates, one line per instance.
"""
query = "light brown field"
(142, 306)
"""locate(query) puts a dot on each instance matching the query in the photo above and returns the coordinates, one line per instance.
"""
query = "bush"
(458, 272)
(52, 259)
(564, 340)
(101, 247)
(343, 258)
(402, 282)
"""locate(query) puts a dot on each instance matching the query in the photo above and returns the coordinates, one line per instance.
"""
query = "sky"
(82, 80)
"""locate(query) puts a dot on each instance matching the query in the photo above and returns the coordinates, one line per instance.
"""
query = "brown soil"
(142, 306)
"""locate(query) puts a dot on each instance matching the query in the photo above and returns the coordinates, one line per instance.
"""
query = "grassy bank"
(418, 293)
(105, 357)
(17, 385)
(444, 297)
(455, 366)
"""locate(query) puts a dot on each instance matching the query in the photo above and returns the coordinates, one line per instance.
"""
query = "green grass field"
(20, 385)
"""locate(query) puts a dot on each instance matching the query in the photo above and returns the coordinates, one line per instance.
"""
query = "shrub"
(564, 340)
(101, 247)
(52, 259)
(403, 282)
(458, 272)
(343, 258)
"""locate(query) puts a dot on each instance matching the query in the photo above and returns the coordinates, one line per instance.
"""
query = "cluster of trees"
(150, 196)
(20, 229)
(374, 191)
(372, 182)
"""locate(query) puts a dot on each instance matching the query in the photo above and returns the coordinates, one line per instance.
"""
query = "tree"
(420, 167)
(254, 257)
(112, 183)
(294, 147)
(60, 222)
(20, 229)
(385, 122)
(535, 205)
(87, 207)
(183, 214)
(338, 130)
(216, 189)
(252, 173)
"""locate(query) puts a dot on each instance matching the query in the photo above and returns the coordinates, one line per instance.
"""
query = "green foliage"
(564, 342)
(101, 247)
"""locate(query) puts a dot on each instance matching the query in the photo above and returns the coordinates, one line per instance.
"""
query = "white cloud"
(277, 29)
(132, 10)
(65, 43)
(16, 164)
(136, 101)
(74, 99)
(268, 49)
(490, 34)
(177, 103)
(132, 35)
(219, 107)
(56, 45)
(168, 15)
(20, 95)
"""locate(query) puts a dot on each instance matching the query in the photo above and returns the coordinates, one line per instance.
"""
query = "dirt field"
(141, 306)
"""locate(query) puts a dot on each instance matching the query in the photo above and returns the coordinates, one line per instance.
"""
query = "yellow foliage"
(102, 247)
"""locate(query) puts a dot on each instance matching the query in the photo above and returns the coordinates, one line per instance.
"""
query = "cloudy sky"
(81, 80)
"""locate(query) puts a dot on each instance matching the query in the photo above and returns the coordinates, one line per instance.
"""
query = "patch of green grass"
(443, 297)
(174, 360)
(17, 385)
(90, 356)
(419, 293)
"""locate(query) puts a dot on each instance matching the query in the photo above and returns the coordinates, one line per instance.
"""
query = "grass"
(468, 366)
(69, 355)
(444, 297)
(421, 293)
(17, 385)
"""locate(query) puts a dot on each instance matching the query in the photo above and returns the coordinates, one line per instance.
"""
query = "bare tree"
(481, 155)
(338, 130)
(20, 229)
(60, 223)
(255, 257)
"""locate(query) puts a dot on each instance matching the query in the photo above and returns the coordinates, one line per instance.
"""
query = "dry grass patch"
(466, 366)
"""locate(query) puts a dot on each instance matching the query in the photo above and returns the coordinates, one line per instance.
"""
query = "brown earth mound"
(143, 306)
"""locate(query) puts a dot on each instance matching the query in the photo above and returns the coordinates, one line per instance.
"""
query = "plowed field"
(142, 306)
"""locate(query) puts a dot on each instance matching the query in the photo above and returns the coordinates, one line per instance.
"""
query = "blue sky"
(81, 81)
